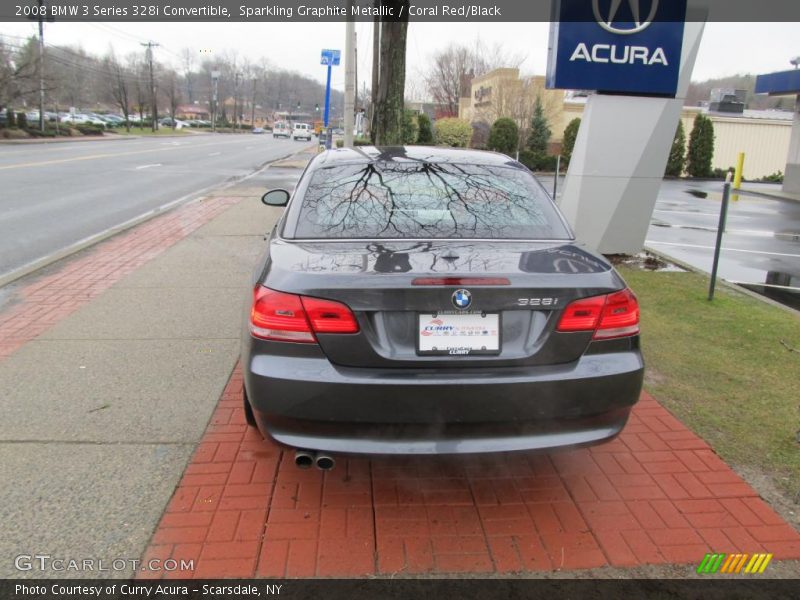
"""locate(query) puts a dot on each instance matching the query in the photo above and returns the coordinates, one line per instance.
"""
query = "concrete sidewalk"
(111, 364)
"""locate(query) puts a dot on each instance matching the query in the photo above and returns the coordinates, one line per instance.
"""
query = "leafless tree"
(172, 93)
(188, 62)
(119, 85)
(446, 77)
(17, 71)
(140, 86)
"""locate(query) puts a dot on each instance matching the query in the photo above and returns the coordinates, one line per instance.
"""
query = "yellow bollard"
(737, 178)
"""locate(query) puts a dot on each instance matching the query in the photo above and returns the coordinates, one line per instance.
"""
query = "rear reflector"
(609, 316)
(461, 281)
(292, 318)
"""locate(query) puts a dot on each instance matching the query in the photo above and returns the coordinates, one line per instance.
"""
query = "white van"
(301, 131)
(281, 129)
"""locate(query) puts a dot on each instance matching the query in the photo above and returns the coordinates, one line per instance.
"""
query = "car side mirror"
(275, 198)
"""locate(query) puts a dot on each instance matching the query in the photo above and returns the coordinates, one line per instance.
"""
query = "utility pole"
(236, 109)
(154, 108)
(349, 77)
(215, 78)
(376, 65)
(41, 16)
(253, 106)
(355, 63)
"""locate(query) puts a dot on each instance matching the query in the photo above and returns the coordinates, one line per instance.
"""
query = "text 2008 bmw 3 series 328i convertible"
(433, 301)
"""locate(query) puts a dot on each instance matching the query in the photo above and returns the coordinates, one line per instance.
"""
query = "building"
(763, 135)
(503, 93)
(193, 112)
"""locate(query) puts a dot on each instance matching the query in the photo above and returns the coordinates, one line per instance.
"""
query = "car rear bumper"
(310, 403)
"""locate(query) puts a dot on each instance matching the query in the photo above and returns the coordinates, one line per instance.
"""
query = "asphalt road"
(761, 244)
(53, 196)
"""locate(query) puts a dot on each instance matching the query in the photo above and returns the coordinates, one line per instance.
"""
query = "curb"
(109, 233)
(720, 281)
(67, 140)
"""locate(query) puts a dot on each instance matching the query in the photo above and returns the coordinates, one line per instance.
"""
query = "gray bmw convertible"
(432, 301)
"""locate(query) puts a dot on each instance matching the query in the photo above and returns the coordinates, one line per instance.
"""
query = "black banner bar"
(710, 588)
(450, 11)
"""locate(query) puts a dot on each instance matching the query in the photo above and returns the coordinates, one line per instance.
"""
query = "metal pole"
(555, 179)
(42, 9)
(723, 216)
(327, 113)
(349, 79)
(215, 78)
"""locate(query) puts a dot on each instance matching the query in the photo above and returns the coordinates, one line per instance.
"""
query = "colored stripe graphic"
(733, 563)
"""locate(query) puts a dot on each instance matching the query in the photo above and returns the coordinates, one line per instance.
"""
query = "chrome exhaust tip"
(304, 459)
(325, 462)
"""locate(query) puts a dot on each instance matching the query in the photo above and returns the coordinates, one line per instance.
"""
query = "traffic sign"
(331, 58)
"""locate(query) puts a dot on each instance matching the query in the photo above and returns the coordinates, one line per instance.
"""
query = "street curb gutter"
(728, 284)
(108, 233)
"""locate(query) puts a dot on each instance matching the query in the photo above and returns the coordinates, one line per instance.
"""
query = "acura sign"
(618, 46)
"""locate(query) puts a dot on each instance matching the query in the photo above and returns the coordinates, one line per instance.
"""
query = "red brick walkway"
(657, 494)
(48, 299)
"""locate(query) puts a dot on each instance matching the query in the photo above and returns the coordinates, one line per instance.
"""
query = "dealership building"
(763, 135)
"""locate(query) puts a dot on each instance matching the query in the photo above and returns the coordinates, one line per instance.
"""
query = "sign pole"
(329, 58)
(327, 98)
(723, 216)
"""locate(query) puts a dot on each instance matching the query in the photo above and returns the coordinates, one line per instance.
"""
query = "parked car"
(281, 129)
(113, 120)
(258, 130)
(425, 300)
(81, 119)
(168, 122)
(301, 131)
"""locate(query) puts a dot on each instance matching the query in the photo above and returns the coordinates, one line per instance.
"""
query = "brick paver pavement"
(48, 299)
(657, 494)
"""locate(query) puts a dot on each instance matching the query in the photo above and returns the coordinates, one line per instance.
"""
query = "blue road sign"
(330, 58)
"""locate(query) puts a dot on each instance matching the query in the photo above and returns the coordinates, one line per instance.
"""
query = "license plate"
(458, 334)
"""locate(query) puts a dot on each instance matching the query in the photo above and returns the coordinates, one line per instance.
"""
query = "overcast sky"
(727, 48)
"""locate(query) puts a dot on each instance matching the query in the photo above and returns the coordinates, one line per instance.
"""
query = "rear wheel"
(248, 410)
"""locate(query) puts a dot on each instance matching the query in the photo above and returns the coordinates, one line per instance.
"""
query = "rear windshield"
(423, 200)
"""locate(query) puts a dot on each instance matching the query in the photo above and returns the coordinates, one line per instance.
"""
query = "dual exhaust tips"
(305, 459)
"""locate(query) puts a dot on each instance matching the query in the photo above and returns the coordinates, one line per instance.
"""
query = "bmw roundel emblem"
(462, 299)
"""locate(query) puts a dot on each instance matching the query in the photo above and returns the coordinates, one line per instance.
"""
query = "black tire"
(248, 410)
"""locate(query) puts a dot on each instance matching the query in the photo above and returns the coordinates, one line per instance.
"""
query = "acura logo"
(624, 27)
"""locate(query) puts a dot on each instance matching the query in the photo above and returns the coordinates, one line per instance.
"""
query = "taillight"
(327, 316)
(292, 318)
(609, 316)
(620, 316)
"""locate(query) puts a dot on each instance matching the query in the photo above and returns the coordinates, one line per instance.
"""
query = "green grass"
(723, 369)
(149, 131)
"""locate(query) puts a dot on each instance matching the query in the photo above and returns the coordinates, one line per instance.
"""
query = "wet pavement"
(761, 245)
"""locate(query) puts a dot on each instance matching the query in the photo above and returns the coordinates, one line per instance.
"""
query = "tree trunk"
(387, 118)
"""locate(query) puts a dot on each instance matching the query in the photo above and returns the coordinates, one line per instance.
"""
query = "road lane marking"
(724, 248)
(107, 155)
(686, 212)
(215, 153)
(148, 166)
